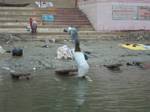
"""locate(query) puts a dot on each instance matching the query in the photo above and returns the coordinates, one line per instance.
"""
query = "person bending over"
(80, 60)
(73, 32)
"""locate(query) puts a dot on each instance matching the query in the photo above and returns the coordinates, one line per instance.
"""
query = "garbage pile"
(64, 52)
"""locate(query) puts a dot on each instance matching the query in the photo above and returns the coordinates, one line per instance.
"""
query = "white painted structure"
(114, 15)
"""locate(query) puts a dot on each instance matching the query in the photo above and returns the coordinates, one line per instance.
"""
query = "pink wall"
(123, 1)
(91, 12)
(109, 15)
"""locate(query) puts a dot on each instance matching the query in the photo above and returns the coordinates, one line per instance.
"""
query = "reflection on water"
(81, 93)
(127, 91)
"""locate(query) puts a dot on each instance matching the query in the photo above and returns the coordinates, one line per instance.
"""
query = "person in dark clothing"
(82, 65)
(73, 33)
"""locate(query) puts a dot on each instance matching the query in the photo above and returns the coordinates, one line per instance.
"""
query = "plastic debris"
(34, 68)
(64, 52)
(42, 4)
(135, 46)
(48, 18)
(17, 52)
(2, 51)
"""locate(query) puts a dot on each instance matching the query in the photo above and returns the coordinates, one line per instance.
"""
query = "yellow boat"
(134, 46)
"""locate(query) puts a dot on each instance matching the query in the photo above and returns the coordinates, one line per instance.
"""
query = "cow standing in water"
(33, 26)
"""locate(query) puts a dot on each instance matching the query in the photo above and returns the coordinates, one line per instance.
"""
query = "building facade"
(116, 15)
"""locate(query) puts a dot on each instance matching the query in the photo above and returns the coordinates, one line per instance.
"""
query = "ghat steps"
(14, 20)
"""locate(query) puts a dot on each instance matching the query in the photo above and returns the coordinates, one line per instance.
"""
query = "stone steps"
(14, 20)
(43, 33)
(63, 36)
(40, 10)
(38, 17)
(12, 26)
(63, 3)
(41, 30)
(57, 3)
(47, 23)
(39, 20)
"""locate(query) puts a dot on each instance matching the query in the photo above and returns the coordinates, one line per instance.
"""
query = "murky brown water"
(124, 91)
(128, 91)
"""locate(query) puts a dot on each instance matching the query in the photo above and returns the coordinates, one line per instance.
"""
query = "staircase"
(14, 20)
(57, 3)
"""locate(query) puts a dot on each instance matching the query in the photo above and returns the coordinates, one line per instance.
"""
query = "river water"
(125, 91)
(128, 91)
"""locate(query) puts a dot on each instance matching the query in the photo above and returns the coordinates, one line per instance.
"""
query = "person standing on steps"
(33, 25)
(73, 33)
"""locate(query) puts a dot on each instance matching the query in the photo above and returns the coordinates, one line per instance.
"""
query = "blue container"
(48, 18)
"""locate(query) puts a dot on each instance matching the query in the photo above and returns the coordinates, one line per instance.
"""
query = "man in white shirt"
(80, 60)
(78, 55)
